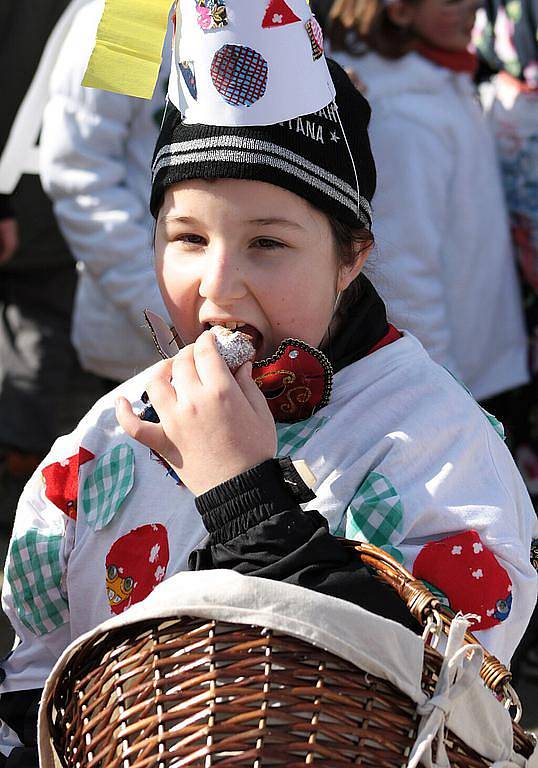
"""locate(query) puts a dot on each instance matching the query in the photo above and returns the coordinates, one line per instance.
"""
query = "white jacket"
(96, 150)
(403, 457)
(444, 265)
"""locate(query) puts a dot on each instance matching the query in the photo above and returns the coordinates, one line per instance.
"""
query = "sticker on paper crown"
(187, 71)
(315, 35)
(241, 63)
(278, 14)
(211, 14)
(239, 74)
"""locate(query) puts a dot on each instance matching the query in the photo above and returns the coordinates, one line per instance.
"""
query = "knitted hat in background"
(307, 155)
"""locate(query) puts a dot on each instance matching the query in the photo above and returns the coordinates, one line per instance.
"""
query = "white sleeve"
(84, 148)
(410, 221)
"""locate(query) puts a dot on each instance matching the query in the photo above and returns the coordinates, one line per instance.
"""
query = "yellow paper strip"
(128, 48)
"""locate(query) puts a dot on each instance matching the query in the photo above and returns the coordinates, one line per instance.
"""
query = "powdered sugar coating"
(234, 347)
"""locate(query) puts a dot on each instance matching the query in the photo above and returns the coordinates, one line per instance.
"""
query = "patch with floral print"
(106, 489)
(469, 575)
(211, 14)
(61, 481)
(135, 564)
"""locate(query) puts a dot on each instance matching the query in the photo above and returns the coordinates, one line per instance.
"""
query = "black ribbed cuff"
(255, 495)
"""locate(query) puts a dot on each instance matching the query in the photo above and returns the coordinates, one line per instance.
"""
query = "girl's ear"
(401, 13)
(348, 273)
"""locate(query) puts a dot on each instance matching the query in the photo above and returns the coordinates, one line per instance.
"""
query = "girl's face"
(235, 251)
(445, 24)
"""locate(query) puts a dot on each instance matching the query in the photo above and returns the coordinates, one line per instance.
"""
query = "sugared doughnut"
(234, 347)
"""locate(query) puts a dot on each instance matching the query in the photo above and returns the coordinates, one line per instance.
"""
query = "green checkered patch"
(107, 487)
(495, 423)
(34, 575)
(375, 511)
(292, 437)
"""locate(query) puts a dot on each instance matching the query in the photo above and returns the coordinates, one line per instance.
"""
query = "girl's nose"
(223, 279)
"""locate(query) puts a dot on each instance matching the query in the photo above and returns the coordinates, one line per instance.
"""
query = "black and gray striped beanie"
(309, 155)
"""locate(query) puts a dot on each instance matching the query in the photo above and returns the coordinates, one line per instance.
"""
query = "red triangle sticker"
(278, 14)
(61, 481)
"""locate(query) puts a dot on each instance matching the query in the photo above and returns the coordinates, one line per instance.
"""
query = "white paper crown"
(247, 62)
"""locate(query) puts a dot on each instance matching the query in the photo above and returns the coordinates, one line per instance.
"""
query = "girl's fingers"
(160, 390)
(184, 373)
(150, 435)
(211, 368)
(250, 389)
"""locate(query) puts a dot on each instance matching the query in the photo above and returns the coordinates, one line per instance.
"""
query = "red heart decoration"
(296, 380)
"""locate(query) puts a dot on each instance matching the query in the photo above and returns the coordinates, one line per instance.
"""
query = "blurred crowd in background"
(457, 247)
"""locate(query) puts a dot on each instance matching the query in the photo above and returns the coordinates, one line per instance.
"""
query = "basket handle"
(425, 606)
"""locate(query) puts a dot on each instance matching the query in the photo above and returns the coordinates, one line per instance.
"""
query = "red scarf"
(457, 61)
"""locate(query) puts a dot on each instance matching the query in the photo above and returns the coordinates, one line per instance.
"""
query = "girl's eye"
(191, 239)
(267, 243)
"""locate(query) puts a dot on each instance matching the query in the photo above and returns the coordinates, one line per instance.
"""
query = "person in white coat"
(445, 264)
(96, 150)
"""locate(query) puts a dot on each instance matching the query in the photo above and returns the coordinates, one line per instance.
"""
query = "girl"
(446, 268)
(261, 228)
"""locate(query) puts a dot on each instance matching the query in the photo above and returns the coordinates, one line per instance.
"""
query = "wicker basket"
(198, 692)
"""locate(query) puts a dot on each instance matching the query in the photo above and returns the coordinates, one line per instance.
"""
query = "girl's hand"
(214, 426)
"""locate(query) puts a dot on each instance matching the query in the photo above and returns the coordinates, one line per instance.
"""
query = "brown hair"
(357, 25)
(350, 243)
